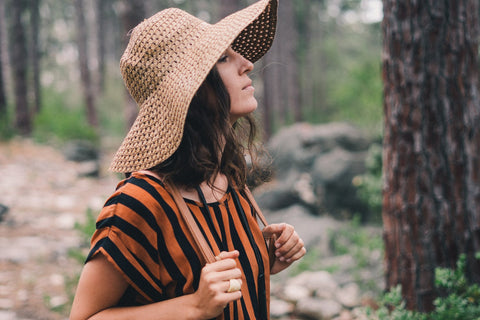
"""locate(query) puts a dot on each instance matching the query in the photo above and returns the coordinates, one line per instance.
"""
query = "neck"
(212, 191)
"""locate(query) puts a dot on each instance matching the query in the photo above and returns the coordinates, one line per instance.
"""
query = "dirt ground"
(45, 197)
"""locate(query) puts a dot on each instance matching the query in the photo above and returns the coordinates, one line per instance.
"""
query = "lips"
(248, 86)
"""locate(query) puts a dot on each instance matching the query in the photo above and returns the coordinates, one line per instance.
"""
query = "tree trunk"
(431, 201)
(271, 90)
(3, 92)
(35, 53)
(101, 31)
(19, 61)
(132, 13)
(288, 33)
(83, 59)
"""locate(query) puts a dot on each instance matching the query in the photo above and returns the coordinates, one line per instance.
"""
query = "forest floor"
(45, 198)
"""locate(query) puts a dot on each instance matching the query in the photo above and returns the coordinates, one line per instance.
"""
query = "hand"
(212, 296)
(289, 246)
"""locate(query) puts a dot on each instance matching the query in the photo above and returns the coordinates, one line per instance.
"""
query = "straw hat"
(168, 57)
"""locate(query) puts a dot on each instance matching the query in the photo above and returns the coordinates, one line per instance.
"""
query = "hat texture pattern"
(167, 58)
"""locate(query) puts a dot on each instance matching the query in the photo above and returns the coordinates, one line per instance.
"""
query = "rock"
(89, 169)
(279, 308)
(286, 149)
(328, 136)
(320, 282)
(80, 151)
(57, 301)
(314, 165)
(7, 315)
(312, 229)
(65, 221)
(332, 175)
(3, 212)
(295, 293)
(278, 197)
(324, 309)
(344, 315)
(349, 295)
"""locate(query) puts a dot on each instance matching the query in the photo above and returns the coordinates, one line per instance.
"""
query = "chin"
(242, 113)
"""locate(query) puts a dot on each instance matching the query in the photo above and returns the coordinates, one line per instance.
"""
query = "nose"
(247, 65)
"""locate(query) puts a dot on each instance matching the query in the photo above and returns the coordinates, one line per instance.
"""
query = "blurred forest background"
(59, 77)
(59, 81)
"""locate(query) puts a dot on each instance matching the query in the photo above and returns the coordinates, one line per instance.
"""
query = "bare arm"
(101, 286)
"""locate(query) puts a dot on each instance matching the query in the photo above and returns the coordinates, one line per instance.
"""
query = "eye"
(223, 58)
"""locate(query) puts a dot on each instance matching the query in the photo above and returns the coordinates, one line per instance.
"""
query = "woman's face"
(233, 69)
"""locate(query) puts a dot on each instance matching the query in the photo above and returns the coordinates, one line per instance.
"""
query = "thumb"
(272, 229)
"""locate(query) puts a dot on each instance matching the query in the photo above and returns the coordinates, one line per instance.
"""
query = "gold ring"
(234, 285)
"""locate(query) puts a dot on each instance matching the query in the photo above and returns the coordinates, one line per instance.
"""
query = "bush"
(369, 185)
(61, 121)
(461, 300)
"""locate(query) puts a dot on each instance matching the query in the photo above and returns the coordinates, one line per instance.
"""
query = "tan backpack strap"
(252, 201)
(192, 224)
(258, 212)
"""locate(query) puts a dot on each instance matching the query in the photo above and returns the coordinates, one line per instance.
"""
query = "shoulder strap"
(270, 240)
(255, 206)
(192, 225)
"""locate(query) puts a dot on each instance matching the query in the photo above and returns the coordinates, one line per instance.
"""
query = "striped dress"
(142, 233)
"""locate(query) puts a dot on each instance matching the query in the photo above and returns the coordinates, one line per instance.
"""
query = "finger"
(227, 255)
(273, 229)
(288, 246)
(297, 248)
(232, 287)
(299, 254)
(229, 274)
(232, 296)
(288, 231)
(221, 265)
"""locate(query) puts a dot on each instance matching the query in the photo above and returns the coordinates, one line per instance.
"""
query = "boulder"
(81, 150)
(323, 309)
(314, 165)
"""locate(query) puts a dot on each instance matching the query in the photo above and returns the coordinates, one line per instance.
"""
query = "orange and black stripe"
(142, 233)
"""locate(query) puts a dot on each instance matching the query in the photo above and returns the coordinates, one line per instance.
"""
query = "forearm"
(183, 307)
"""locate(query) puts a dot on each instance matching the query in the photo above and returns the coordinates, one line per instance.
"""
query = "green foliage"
(61, 120)
(363, 244)
(461, 300)
(6, 129)
(306, 263)
(355, 240)
(111, 106)
(85, 230)
(369, 185)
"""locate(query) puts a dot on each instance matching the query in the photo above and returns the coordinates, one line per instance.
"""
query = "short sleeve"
(126, 235)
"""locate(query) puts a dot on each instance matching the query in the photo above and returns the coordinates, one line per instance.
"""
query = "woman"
(190, 80)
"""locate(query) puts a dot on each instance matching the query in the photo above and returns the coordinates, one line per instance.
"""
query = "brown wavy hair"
(210, 143)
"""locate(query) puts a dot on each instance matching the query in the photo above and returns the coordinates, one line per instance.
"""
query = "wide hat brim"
(158, 129)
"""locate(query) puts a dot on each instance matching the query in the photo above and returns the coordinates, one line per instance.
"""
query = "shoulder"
(138, 197)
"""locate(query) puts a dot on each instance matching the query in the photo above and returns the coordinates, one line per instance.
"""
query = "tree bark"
(83, 59)
(288, 33)
(35, 53)
(271, 89)
(3, 92)
(431, 201)
(101, 31)
(19, 61)
(132, 13)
